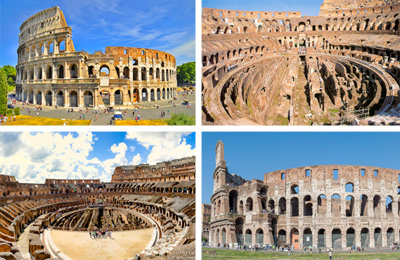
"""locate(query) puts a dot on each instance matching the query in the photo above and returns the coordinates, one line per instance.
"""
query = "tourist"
(330, 254)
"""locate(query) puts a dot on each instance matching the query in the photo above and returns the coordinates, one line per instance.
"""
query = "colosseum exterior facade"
(164, 201)
(274, 68)
(334, 206)
(50, 72)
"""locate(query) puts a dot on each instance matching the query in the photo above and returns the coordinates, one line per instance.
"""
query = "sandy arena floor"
(123, 245)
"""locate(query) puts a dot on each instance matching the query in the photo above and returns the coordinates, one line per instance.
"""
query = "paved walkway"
(146, 111)
(23, 243)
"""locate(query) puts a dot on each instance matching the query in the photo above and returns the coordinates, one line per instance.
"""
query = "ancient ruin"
(163, 203)
(323, 206)
(282, 68)
(51, 73)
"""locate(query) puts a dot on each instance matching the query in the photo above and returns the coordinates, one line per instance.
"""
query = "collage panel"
(98, 63)
(97, 195)
(283, 195)
(300, 62)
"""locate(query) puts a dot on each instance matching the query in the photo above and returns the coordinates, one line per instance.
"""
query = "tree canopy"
(186, 73)
(11, 73)
(3, 92)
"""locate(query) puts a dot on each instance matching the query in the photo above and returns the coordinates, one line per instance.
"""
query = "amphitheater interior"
(166, 205)
(285, 68)
(318, 207)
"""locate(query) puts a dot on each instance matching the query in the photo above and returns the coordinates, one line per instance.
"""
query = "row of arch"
(71, 98)
(60, 72)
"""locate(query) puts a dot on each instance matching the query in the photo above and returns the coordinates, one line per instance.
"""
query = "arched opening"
(61, 72)
(135, 74)
(350, 237)
(233, 196)
(88, 99)
(349, 187)
(378, 237)
(223, 236)
(39, 73)
(163, 93)
(74, 71)
(321, 204)
(248, 237)
(249, 204)
(307, 238)
(158, 94)
(274, 233)
(144, 95)
(271, 206)
(336, 238)
(168, 93)
(321, 238)
(49, 72)
(39, 97)
(144, 76)
(61, 46)
(60, 98)
(239, 231)
(49, 98)
(126, 73)
(104, 71)
(349, 206)
(105, 96)
(260, 237)
(377, 205)
(118, 97)
(282, 236)
(135, 95)
(390, 236)
(73, 99)
(364, 238)
(294, 238)
(294, 203)
(294, 189)
(51, 48)
(152, 95)
(91, 72)
(389, 204)
(282, 206)
(151, 74)
(307, 206)
(364, 205)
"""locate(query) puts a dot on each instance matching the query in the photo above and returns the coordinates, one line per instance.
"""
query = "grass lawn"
(31, 120)
(142, 122)
(242, 255)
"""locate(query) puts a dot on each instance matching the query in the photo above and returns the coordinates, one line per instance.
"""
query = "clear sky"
(250, 155)
(306, 7)
(34, 156)
(165, 25)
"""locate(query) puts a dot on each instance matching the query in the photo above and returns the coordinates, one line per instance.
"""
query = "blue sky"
(165, 25)
(34, 156)
(250, 155)
(306, 7)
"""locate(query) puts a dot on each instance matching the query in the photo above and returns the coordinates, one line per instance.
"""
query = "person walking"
(330, 254)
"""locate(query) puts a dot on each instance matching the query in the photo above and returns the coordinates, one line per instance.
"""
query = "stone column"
(55, 47)
(66, 71)
(66, 98)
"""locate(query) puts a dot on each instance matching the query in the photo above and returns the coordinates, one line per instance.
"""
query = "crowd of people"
(100, 233)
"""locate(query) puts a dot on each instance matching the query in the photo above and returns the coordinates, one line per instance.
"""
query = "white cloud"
(163, 145)
(137, 159)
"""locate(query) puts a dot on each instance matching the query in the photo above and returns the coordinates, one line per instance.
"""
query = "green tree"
(181, 119)
(11, 73)
(3, 92)
(186, 73)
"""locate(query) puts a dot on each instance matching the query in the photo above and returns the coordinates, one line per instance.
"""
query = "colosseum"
(285, 68)
(324, 206)
(158, 200)
(51, 73)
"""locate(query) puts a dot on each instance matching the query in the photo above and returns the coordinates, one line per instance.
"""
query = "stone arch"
(126, 73)
(61, 72)
(233, 197)
(118, 97)
(336, 203)
(350, 237)
(152, 95)
(294, 204)
(88, 98)
(239, 230)
(39, 97)
(73, 99)
(282, 206)
(260, 237)
(104, 71)
(74, 71)
(307, 238)
(336, 238)
(307, 206)
(144, 72)
(60, 98)
(249, 204)
(378, 237)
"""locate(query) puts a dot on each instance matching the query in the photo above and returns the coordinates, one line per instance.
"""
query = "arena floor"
(122, 245)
